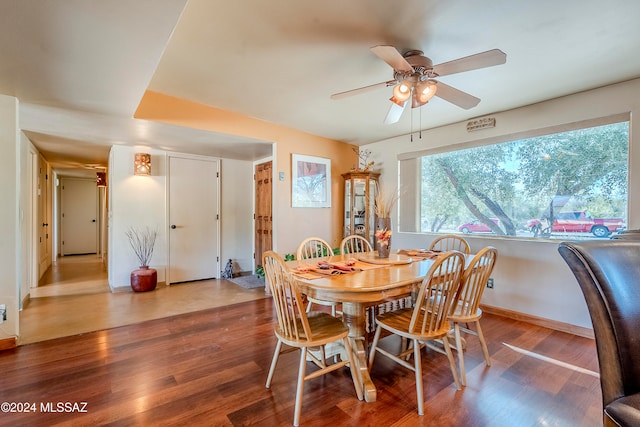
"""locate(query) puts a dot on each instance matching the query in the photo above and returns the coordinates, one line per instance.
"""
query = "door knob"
(93, 220)
(173, 226)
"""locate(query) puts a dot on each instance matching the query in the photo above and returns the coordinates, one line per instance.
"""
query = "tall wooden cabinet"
(359, 203)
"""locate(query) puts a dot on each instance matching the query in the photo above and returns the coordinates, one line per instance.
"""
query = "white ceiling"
(80, 67)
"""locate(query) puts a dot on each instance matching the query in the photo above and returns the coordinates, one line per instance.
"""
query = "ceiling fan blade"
(364, 89)
(391, 56)
(472, 62)
(455, 96)
(394, 113)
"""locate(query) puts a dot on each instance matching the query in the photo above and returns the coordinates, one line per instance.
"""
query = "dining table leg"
(353, 314)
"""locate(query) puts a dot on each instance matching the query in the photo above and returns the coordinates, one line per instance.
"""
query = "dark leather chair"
(608, 272)
(627, 235)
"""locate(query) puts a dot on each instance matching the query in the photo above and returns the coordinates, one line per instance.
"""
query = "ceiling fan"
(414, 78)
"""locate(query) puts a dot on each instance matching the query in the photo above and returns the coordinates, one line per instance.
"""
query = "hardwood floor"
(209, 368)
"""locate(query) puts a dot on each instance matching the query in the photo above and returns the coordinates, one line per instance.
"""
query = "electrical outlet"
(490, 283)
(3, 313)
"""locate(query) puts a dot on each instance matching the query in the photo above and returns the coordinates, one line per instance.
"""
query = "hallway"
(74, 298)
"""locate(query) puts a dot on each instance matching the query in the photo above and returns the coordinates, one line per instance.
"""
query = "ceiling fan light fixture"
(414, 77)
(402, 91)
(415, 102)
(425, 91)
(398, 102)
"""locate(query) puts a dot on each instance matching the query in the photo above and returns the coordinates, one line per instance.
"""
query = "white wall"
(135, 201)
(142, 200)
(530, 276)
(236, 213)
(10, 227)
(28, 212)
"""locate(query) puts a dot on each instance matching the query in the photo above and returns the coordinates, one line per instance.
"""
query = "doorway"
(79, 216)
(263, 207)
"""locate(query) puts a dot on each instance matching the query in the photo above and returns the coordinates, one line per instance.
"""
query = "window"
(571, 184)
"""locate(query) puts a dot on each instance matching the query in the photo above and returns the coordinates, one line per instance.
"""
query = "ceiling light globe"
(402, 92)
(426, 90)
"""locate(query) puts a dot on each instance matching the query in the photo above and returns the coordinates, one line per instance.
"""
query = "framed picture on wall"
(310, 182)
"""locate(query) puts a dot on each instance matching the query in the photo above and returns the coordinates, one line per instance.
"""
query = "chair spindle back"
(292, 318)
(355, 244)
(474, 281)
(313, 247)
(450, 242)
(437, 292)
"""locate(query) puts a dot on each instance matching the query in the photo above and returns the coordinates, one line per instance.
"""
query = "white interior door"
(193, 219)
(44, 217)
(79, 214)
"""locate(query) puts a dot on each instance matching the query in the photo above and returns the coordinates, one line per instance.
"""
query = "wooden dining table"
(375, 281)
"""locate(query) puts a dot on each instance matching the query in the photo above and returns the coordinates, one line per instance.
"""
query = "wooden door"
(193, 219)
(79, 215)
(263, 217)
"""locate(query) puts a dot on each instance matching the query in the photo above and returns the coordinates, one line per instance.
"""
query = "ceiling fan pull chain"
(411, 111)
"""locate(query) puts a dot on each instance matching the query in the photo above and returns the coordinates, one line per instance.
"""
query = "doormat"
(248, 282)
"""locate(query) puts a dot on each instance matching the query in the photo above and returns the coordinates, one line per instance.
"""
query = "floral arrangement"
(383, 236)
(384, 203)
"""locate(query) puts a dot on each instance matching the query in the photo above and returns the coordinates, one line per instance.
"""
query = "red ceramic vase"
(144, 279)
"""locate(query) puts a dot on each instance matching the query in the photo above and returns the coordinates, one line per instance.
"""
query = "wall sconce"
(101, 179)
(142, 164)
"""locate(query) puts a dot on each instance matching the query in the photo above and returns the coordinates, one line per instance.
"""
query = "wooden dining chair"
(297, 330)
(466, 308)
(450, 242)
(354, 244)
(315, 247)
(426, 321)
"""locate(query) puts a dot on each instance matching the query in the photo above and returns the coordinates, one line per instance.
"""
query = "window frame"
(409, 172)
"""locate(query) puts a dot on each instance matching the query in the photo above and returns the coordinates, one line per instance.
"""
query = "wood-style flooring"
(208, 368)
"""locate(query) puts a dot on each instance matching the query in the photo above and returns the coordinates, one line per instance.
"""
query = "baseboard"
(127, 288)
(8, 343)
(26, 300)
(539, 321)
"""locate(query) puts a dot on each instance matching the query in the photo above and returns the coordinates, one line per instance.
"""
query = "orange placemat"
(308, 275)
(419, 254)
(314, 273)
(310, 271)
(358, 265)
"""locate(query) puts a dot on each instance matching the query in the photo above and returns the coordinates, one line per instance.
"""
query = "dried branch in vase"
(363, 163)
(142, 242)
(385, 201)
